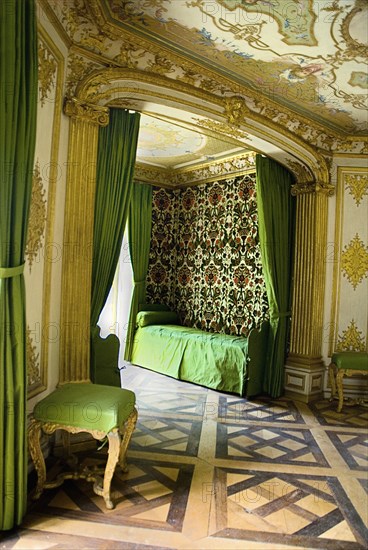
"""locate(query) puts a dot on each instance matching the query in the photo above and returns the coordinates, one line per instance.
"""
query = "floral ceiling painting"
(308, 54)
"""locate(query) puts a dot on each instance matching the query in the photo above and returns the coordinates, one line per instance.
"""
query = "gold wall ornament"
(46, 71)
(95, 87)
(89, 112)
(235, 109)
(161, 65)
(33, 363)
(78, 69)
(357, 185)
(301, 172)
(129, 55)
(221, 128)
(351, 339)
(80, 26)
(354, 261)
(37, 216)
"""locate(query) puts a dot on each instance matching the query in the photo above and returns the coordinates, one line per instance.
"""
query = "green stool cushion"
(88, 406)
(355, 360)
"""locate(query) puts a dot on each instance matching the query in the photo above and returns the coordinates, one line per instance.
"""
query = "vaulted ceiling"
(309, 56)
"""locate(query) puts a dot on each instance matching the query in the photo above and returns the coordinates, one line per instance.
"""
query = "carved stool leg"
(331, 373)
(34, 445)
(113, 457)
(339, 377)
(128, 432)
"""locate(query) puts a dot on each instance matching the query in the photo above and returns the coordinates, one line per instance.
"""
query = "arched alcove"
(144, 92)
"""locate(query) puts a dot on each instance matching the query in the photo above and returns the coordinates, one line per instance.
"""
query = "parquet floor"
(215, 471)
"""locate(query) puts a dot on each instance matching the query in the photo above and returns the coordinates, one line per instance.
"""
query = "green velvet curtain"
(139, 231)
(276, 221)
(18, 107)
(117, 146)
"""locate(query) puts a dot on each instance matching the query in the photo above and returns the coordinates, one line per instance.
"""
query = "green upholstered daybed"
(233, 364)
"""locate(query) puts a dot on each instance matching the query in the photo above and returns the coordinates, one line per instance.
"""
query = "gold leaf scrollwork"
(86, 111)
(33, 366)
(351, 339)
(37, 217)
(357, 185)
(46, 71)
(312, 187)
(354, 261)
(301, 172)
(161, 65)
(78, 68)
(235, 110)
(221, 128)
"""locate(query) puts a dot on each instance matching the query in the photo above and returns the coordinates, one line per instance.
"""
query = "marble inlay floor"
(214, 471)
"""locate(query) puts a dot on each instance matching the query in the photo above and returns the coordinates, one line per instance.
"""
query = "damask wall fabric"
(205, 258)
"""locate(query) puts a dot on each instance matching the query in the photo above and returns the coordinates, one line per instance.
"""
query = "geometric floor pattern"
(209, 470)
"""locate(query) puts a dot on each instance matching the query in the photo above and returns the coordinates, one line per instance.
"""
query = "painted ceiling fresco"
(171, 144)
(308, 54)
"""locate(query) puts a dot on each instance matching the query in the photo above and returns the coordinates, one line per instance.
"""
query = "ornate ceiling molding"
(200, 76)
(205, 173)
(105, 85)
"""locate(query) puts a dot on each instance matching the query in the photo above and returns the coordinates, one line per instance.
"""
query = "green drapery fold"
(275, 217)
(117, 146)
(139, 231)
(18, 108)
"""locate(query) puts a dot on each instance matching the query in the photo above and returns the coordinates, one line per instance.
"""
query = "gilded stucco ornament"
(33, 364)
(351, 339)
(79, 67)
(208, 172)
(235, 110)
(306, 182)
(129, 55)
(88, 112)
(301, 172)
(46, 71)
(354, 261)
(161, 65)
(320, 187)
(221, 128)
(37, 217)
(357, 185)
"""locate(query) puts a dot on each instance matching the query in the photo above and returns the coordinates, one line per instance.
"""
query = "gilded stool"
(102, 411)
(345, 363)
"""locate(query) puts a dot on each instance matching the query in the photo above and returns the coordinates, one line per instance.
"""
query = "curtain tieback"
(7, 272)
(140, 282)
(282, 314)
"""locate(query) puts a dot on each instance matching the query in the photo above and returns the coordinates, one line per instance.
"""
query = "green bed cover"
(217, 361)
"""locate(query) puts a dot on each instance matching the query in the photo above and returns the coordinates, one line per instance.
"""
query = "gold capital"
(89, 112)
(306, 187)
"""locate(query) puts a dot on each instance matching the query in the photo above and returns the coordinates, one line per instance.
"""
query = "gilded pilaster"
(305, 369)
(78, 238)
